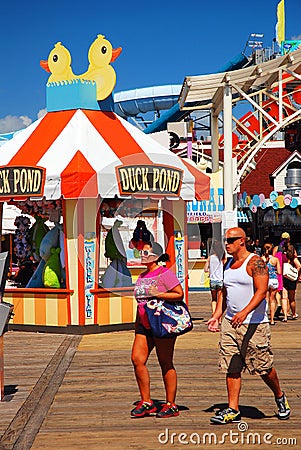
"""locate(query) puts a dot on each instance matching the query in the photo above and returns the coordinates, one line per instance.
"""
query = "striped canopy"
(80, 150)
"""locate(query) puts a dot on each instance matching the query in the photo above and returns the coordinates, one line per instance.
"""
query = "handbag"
(289, 272)
(168, 319)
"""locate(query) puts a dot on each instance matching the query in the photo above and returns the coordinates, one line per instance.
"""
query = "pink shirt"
(163, 278)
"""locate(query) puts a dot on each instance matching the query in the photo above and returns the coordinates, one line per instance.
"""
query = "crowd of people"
(282, 288)
(281, 294)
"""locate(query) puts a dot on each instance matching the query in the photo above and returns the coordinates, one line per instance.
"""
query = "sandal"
(272, 323)
(295, 316)
(284, 320)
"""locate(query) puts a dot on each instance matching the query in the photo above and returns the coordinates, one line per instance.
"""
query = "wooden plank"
(91, 409)
(25, 425)
(92, 403)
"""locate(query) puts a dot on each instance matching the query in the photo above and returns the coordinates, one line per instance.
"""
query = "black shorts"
(289, 285)
(144, 331)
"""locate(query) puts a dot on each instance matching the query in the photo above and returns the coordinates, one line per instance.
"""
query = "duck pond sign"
(21, 181)
(149, 179)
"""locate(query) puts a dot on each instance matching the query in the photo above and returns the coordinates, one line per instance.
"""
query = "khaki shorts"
(246, 347)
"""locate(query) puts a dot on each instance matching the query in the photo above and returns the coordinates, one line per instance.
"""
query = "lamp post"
(230, 214)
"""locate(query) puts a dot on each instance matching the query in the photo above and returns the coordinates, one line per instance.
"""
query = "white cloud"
(41, 113)
(11, 123)
(296, 38)
(14, 123)
(26, 120)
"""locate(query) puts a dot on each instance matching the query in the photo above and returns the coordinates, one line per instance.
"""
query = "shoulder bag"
(289, 272)
(168, 319)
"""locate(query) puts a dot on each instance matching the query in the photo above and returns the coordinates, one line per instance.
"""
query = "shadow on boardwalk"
(76, 392)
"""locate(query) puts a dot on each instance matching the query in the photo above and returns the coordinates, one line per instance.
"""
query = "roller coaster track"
(273, 89)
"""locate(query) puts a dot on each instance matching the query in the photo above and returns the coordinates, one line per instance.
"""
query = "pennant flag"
(280, 26)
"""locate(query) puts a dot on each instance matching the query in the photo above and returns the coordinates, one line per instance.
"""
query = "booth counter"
(40, 308)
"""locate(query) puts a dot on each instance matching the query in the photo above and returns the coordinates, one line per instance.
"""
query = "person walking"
(245, 331)
(257, 247)
(162, 283)
(274, 269)
(290, 286)
(280, 252)
(214, 266)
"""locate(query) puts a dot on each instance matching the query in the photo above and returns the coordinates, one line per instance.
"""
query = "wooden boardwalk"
(76, 392)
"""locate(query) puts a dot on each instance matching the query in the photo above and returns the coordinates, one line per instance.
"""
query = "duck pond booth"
(94, 178)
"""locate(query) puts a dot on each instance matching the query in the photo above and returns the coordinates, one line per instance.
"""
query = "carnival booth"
(89, 172)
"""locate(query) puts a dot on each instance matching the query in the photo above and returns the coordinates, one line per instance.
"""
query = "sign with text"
(180, 257)
(149, 179)
(25, 181)
(89, 266)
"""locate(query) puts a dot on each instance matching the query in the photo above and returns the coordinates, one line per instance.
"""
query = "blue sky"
(163, 41)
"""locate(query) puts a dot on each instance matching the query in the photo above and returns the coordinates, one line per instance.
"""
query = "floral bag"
(168, 319)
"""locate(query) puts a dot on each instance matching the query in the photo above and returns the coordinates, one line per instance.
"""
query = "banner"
(180, 257)
(280, 26)
(89, 267)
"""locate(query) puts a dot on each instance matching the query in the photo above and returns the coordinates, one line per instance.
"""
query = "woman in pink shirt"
(160, 282)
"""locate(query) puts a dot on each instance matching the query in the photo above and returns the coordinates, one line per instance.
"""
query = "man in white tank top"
(245, 332)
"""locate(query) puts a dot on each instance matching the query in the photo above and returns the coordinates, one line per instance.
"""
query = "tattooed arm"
(258, 270)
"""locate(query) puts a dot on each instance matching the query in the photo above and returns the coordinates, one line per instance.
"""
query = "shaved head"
(235, 241)
(235, 231)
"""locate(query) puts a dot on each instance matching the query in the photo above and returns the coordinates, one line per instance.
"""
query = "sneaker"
(284, 409)
(226, 416)
(168, 410)
(143, 409)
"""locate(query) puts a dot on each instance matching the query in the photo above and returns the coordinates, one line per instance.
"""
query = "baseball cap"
(285, 235)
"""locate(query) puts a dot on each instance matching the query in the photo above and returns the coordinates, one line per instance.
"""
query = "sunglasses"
(231, 240)
(147, 253)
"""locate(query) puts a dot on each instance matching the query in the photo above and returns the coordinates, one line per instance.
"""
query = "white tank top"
(216, 268)
(240, 290)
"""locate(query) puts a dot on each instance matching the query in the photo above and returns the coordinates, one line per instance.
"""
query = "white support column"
(228, 168)
(214, 141)
(280, 92)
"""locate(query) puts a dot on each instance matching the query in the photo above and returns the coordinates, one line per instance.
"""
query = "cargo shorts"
(247, 347)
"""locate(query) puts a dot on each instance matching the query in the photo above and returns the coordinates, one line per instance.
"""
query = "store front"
(270, 215)
(204, 224)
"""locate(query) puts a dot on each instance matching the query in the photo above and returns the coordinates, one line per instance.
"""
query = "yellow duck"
(59, 64)
(100, 55)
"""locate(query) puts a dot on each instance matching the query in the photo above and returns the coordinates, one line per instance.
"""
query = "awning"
(81, 150)
(208, 89)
